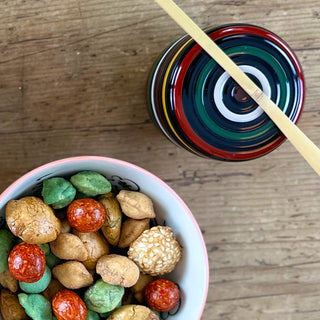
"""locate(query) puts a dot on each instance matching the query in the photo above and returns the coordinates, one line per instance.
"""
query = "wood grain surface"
(73, 78)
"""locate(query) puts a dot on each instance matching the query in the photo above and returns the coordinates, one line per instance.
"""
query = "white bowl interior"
(191, 272)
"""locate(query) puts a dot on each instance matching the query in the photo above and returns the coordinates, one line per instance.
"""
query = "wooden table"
(73, 76)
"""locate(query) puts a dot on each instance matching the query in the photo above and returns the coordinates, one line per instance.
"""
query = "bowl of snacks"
(99, 238)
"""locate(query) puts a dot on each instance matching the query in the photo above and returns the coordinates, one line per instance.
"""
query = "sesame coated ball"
(156, 251)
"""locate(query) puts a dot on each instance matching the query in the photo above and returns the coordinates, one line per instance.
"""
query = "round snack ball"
(86, 215)
(38, 286)
(27, 262)
(156, 251)
(161, 295)
(58, 192)
(67, 305)
(91, 183)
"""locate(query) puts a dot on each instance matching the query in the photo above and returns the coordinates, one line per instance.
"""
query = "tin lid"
(198, 105)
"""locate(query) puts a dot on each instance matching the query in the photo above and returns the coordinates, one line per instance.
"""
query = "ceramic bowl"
(197, 106)
(192, 272)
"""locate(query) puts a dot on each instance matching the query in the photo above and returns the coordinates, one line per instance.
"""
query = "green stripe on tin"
(282, 103)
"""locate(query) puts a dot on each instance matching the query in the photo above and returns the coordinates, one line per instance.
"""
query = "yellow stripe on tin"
(165, 79)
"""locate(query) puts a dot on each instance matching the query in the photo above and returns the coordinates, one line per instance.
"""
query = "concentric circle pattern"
(199, 107)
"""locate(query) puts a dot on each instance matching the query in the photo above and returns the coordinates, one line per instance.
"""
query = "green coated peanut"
(37, 307)
(90, 183)
(103, 297)
(91, 315)
(38, 286)
(58, 192)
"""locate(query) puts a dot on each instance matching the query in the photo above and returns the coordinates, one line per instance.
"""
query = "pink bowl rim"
(132, 166)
